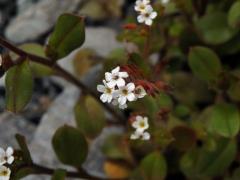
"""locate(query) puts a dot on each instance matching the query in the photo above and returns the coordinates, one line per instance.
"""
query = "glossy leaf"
(225, 120)
(234, 15)
(214, 28)
(90, 117)
(204, 63)
(153, 167)
(70, 146)
(69, 34)
(19, 87)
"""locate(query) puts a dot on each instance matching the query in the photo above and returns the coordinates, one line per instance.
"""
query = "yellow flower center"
(125, 91)
(142, 124)
(4, 173)
(108, 90)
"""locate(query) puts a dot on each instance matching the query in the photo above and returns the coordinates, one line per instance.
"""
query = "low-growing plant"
(174, 87)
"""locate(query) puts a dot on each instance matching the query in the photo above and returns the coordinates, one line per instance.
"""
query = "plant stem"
(63, 73)
(38, 169)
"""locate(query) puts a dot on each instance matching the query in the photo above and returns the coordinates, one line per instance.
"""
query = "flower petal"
(111, 83)
(146, 136)
(153, 15)
(130, 87)
(101, 88)
(116, 70)
(122, 100)
(141, 18)
(10, 160)
(148, 22)
(104, 98)
(108, 76)
(123, 74)
(131, 97)
(121, 82)
(9, 151)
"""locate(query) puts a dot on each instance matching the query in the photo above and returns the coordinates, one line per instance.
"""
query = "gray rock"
(38, 19)
(11, 124)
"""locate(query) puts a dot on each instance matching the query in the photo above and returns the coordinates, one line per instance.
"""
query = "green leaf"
(204, 63)
(153, 167)
(68, 35)
(115, 147)
(200, 163)
(225, 120)
(214, 28)
(24, 148)
(19, 87)
(38, 70)
(85, 114)
(70, 146)
(59, 174)
(137, 60)
(23, 172)
(234, 15)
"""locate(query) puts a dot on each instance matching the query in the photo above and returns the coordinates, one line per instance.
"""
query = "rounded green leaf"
(200, 163)
(38, 70)
(214, 28)
(153, 167)
(19, 87)
(59, 174)
(70, 146)
(225, 120)
(85, 114)
(69, 34)
(204, 63)
(234, 15)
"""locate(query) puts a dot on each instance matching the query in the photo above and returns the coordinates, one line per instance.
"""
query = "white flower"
(107, 91)
(140, 124)
(116, 77)
(4, 173)
(115, 103)
(125, 93)
(147, 16)
(142, 135)
(141, 5)
(139, 92)
(6, 156)
(165, 1)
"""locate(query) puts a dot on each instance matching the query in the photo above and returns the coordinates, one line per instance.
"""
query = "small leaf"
(19, 87)
(225, 120)
(200, 163)
(116, 170)
(70, 146)
(38, 70)
(85, 114)
(153, 167)
(23, 172)
(184, 137)
(69, 34)
(59, 174)
(115, 147)
(234, 15)
(24, 148)
(214, 28)
(204, 63)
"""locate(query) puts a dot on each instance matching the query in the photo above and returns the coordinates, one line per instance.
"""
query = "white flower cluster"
(146, 12)
(6, 157)
(140, 125)
(115, 90)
